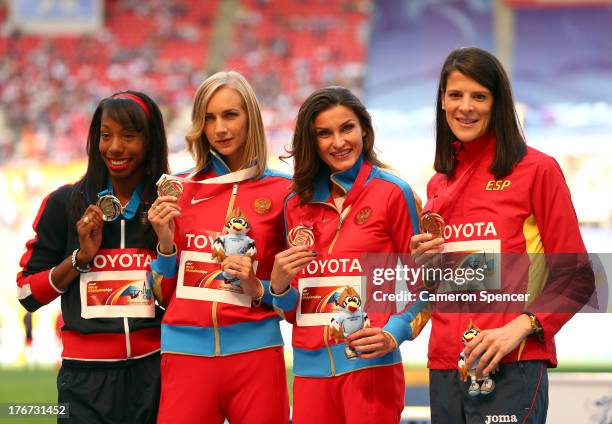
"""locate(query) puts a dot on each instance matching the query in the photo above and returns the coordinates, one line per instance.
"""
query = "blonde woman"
(222, 355)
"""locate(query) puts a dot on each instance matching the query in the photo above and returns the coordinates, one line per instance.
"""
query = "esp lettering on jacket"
(497, 185)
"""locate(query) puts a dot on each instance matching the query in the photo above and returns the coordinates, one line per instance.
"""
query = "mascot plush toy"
(349, 319)
(234, 242)
(478, 386)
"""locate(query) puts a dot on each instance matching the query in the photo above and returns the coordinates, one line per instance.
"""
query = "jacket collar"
(217, 165)
(343, 179)
(468, 151)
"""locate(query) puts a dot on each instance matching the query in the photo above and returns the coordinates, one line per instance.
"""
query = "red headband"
(136, 99)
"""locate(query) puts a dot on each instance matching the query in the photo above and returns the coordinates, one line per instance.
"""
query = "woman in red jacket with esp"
(509, 203)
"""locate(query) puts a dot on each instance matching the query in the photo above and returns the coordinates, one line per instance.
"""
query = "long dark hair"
(307, 162)
(129, 114)
(484, 68)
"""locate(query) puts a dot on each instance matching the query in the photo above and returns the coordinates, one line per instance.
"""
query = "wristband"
(273, 293)
(164, 254)
(535, 325)
(76, 266)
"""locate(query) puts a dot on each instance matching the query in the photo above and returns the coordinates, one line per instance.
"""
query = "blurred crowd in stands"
(50, 85)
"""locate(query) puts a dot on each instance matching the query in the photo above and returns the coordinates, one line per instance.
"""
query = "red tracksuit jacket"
(378, 217)
(528, 211)
(199, 319)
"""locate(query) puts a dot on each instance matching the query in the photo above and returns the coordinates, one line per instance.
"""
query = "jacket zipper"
(216, 329)
(230, 208)
(126, 325)
(343, 216)
(331, 358)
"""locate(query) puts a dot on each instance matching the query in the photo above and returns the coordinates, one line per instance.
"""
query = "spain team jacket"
(526, 224)
(377, 220)
(206, 316)
(109, 313)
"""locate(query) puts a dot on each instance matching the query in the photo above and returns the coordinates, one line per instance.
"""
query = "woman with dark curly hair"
(345, 204)
(93, 247)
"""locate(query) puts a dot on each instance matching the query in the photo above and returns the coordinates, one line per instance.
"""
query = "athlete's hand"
(492, 345)
(89, 229)
(424, 249)
(371, 342)
(161, 216)
(241, 267)
(287, 264)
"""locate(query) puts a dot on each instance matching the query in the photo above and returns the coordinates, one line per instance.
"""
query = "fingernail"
(314, 252)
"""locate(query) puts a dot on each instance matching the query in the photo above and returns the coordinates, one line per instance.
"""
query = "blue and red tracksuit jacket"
(200, 324)
(378, 218)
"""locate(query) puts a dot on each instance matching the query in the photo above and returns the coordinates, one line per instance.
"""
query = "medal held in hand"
(432, 223)
(168, 186)
(301, 236)
(110, 206)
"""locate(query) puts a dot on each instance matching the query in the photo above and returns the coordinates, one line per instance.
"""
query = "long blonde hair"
(197, 142)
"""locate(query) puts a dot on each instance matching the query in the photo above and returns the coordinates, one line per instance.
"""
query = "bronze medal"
(111, 207)
(432, 223)
(167, 186)
(301, 236)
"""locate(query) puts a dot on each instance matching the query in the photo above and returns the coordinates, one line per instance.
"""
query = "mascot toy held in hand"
(234, 242)
(478, 386)
(349, 319)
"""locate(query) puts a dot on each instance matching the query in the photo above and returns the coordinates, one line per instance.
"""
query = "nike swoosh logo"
(195, 201)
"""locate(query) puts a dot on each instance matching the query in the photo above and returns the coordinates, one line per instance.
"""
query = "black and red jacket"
(122, 250)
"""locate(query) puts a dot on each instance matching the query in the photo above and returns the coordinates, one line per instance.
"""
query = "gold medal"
(301, 236)
(167, 186)
(432, 223)
(111, 207)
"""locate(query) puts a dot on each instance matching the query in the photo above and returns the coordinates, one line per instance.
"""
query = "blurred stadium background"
(60, 57)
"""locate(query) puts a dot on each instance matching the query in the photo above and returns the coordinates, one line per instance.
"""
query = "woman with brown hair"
(517, 206)
(344, 205)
